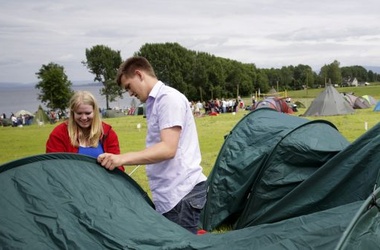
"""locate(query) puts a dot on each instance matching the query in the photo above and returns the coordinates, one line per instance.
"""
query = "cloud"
(269, 33)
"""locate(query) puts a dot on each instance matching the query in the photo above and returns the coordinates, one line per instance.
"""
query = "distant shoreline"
(15, 97)
(6, 85)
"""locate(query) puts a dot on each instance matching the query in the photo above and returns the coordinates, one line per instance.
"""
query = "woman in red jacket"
(84, 132)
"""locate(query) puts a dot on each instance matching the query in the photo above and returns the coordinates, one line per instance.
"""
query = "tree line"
(199, 75)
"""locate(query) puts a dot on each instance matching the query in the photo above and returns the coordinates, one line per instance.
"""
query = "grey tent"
(273, 92)
(329, 102)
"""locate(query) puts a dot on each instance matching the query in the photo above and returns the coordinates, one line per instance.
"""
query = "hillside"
(373, 90)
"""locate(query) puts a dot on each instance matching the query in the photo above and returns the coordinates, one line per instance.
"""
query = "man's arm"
(164, 150)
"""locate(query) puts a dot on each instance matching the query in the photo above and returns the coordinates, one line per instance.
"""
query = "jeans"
(187, 212)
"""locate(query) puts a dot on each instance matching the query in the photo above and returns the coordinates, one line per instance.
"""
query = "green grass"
(17, 142)
(30, 140)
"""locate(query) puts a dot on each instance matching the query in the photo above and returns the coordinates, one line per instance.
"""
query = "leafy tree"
(200, 76)
(172, 64)
(247, 79)
(335, 72)
(358, 72)
(323, 74)
(273, 77)
(104, 63)
(304, 76)
(371, 76)
(218, 76)
(234, 79)
(318, 81)
(262, 82)
(286, 76)
(332, 73)
(55, 88)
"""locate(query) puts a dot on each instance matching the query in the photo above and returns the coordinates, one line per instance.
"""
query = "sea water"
(13, 99)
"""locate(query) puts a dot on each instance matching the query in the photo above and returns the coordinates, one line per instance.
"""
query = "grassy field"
(17, 142)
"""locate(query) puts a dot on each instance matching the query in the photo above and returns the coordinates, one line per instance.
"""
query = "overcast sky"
(268, 33)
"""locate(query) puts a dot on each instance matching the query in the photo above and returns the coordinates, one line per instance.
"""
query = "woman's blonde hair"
(75, 132)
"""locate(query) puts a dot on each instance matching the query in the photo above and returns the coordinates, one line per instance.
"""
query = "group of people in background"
(27, 119)
(216, 106)
(54, 116)
(16, 121)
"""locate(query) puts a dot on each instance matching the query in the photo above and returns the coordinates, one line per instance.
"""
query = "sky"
(268, 33)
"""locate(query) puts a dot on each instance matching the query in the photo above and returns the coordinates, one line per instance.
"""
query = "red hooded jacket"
(59, 140)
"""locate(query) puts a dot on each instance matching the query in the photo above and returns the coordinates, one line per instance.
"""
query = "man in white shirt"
(172, 154)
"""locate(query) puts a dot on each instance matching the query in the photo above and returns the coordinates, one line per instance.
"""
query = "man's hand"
(110, 161)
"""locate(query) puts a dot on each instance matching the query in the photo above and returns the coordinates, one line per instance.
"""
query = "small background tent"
(273, 92)
(40, 117)
(299, 104)
(356, 102)
(140, 110)
(377, 107)
(371, 100)
(24, 117)
(23, 112)
(329, 102)
(276, 103)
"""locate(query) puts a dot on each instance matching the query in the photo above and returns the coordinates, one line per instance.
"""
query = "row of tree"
(199, 75)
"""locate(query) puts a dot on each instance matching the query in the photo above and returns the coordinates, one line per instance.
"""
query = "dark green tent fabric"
(364, 231)
(264, 157)
(67, 201)
(349, 176)
(295, 158)
(314, 231)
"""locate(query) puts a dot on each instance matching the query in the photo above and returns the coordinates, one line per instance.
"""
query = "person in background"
(14, 120)
(172, 154)
(83, 132)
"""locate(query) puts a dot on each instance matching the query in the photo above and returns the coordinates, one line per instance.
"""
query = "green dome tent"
(349, 176)
(289, 148)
